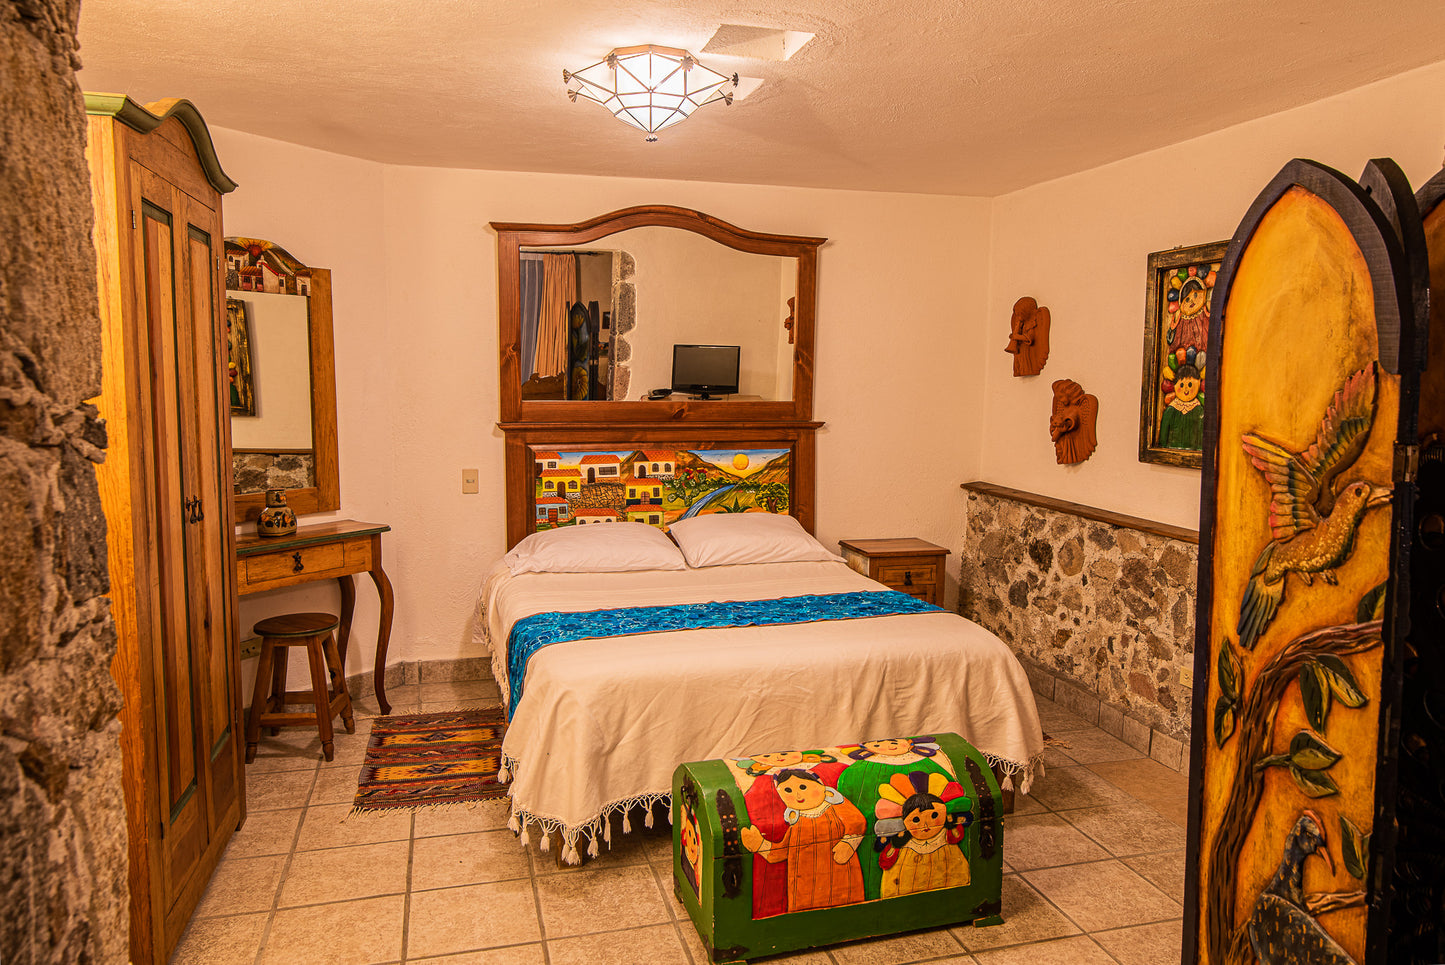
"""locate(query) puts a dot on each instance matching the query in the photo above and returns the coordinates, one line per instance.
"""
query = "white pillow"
(595, 548)
(724, 538)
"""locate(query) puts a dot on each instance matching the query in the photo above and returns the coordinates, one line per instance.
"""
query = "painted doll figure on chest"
(919, 834)
(875, 764)
(820, 844)
(767, 809)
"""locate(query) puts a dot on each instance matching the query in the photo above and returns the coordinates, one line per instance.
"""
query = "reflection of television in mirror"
(706, 370)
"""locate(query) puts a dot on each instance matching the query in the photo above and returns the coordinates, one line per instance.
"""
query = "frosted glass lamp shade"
(650, 87)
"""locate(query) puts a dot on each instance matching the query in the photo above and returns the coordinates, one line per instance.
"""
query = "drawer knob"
(297, 565)
(907, 577)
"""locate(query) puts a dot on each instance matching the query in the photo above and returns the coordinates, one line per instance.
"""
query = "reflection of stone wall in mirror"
(692, 290)
(281, 368)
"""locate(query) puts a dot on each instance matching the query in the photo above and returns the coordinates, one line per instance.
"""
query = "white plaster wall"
(1080, 246)
(326, 210)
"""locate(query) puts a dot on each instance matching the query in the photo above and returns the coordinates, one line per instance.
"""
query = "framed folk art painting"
(1176, 335)
(238, 358)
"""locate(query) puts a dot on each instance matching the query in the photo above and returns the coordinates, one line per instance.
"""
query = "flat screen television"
(705, 370)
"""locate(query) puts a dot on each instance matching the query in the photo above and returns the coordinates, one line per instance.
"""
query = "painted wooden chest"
(794, 849)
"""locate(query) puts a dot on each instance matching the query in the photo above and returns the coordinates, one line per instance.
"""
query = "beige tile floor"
(1094, 873)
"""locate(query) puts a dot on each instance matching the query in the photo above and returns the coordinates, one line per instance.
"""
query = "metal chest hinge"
(1407, 463)
(132, 219)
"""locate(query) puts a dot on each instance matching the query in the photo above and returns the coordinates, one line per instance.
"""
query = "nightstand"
(914, 566)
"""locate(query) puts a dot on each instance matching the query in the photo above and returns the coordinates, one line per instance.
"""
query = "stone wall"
(63, 895)
(256, 472)
(1101, 613)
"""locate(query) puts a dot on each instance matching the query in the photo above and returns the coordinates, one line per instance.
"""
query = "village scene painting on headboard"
(656, 486)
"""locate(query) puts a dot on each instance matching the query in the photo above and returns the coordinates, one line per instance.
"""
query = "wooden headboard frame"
(528, 425)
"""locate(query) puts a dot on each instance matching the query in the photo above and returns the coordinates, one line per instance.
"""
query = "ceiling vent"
(759, 43)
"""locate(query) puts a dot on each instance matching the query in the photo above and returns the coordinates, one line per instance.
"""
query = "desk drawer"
(312, 562)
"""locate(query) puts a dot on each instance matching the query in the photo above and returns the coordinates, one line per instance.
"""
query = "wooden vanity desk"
(333, 550)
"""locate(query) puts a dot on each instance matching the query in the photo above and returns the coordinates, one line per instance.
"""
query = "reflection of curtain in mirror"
(559, 291)
(531, 305)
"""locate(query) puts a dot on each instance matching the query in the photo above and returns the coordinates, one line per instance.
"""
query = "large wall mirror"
(590, 314)
(282, 379)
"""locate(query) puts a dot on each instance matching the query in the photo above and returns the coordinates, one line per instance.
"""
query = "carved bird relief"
(1281, 929)
(1313, 513)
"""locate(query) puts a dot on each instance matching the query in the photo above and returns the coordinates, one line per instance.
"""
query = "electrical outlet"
(250, 648)
(1186, 676)
(469, 481)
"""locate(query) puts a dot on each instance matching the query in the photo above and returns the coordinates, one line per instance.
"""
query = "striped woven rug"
(425, 760)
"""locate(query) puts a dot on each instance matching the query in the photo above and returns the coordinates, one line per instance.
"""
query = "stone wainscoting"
(1098, 606)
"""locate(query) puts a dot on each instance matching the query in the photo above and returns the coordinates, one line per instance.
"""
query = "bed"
(597, 725)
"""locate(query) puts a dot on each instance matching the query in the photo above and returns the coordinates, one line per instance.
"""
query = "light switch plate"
(469, 481)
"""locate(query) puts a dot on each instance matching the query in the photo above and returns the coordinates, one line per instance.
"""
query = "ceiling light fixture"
(650, 87)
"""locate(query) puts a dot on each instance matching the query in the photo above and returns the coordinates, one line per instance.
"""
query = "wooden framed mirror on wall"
(591, 315)
(282, 379)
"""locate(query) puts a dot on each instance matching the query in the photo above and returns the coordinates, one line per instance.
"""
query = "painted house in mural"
(658, 463)
(595, 514)
(567, 479)
(546, 459)
(651, 515)
(553, 509)
(601, 467)
(644, 492)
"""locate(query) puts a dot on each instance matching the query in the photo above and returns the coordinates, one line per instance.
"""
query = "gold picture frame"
(1176, 353)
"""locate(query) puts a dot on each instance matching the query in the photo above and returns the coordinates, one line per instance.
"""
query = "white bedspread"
(603, 723)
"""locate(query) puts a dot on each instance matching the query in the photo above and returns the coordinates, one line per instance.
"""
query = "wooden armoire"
(166, 490)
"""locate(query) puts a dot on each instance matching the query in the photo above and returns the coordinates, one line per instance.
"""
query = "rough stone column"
(63, 893)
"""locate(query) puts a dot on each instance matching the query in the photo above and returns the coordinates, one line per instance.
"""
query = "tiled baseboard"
(1169, 751)
(422, 671)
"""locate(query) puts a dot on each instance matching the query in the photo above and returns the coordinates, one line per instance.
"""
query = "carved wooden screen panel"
(1297, 642)
(1417, 908)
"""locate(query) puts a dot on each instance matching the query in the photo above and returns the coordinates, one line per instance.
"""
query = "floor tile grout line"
(406, 902)
(537, 905)
(286, 868)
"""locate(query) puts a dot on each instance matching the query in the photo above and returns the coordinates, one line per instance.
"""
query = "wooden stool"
(312, 631)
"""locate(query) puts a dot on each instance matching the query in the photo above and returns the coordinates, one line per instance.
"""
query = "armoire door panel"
(207, 549)
(157, 289)
(167, 316)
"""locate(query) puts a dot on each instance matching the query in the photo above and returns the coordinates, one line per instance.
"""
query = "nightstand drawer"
(908, 573)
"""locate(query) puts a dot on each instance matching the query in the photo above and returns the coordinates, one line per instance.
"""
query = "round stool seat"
(297, 625)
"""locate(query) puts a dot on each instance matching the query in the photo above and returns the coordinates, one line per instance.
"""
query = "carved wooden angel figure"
(1072, 423)
(1028, 339)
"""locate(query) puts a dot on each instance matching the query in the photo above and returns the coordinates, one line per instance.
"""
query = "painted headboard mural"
(589, 474)
(656, 485)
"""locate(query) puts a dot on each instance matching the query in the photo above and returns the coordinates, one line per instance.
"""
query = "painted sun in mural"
(740, 461)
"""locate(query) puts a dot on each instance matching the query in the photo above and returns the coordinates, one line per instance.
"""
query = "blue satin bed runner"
(532, 633)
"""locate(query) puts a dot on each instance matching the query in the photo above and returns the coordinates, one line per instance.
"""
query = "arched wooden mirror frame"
(324, 493)
(511, 238)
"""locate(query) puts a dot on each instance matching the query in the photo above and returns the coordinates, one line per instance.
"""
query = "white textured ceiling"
(971, 97)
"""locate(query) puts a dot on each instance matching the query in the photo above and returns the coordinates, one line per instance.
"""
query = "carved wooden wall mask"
(1072, 424)
(1028, 340)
